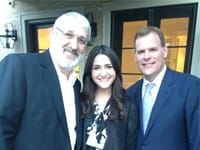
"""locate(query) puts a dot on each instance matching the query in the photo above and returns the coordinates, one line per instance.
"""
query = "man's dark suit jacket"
(32, 115)
(174, 121)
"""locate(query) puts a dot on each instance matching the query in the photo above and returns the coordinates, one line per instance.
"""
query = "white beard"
(66, 62)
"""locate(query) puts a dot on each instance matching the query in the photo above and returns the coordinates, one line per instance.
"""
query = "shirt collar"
(158, 79)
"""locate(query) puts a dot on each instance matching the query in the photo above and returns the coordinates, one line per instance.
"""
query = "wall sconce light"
(93, 28)
(9, 36)
(11, 3)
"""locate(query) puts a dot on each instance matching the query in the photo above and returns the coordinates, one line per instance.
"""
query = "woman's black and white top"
(101, 133)
(96, 130)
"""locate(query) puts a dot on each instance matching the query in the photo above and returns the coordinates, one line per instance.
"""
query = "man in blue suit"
(173, 122)
(39, 93)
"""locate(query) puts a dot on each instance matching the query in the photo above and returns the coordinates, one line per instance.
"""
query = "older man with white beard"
(39, 93)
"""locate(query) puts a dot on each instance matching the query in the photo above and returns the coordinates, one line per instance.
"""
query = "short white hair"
(76, 17)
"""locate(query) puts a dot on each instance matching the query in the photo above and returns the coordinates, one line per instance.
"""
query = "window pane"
(129, 79)
(129, 30)
(130, 72)
(176, 58)
(128, 62)
(175, 31)
(43, 39)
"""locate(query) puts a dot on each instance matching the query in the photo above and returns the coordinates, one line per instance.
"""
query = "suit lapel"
(52, 82)
(161, 99)
(77, 87)
(139, 103)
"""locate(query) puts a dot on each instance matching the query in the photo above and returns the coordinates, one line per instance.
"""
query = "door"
(178, 24)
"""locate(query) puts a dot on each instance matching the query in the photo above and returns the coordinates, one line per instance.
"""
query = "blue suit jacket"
(174, 121)
(32, 115)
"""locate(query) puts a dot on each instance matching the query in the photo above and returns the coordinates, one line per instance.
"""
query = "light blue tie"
(147, 104)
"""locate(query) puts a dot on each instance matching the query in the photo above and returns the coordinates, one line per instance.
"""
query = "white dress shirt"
(157, 82)
(67, 91)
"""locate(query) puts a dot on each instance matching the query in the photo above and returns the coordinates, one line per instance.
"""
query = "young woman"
(110, 119)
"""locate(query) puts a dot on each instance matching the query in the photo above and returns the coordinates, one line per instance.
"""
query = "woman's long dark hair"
(89, 87)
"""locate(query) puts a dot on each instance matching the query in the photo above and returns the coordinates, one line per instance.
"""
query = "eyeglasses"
(68, 35)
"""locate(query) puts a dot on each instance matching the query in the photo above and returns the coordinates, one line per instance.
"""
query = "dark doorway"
(33, 28)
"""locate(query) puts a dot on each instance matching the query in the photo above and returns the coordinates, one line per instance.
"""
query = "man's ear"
(165, 49)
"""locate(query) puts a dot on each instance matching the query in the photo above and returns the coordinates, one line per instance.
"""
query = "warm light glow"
(43, 39)
(175, 31)
(181, 54)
